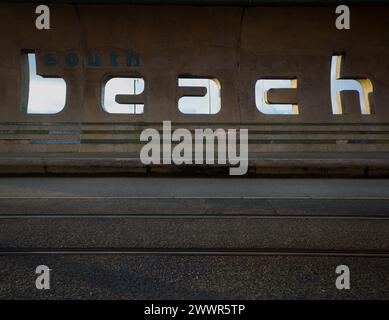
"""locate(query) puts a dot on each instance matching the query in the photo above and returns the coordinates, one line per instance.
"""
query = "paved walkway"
(194, 238)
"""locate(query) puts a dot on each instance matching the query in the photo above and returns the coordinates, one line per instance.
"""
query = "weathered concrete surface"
(235, 44)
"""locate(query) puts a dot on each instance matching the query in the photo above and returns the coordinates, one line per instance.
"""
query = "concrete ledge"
(373, 165)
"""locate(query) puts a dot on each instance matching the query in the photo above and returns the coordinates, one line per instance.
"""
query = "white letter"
(46, 95)
(153, 145)
(42, 21)
(209, 103)
(124, 87)
(43, 280)
(210, 137)
(343, 281)
(343, 21)
(261, 89)
(233, 158)
(185, 145)
(167, 142)
(364, 88)
(241, 308)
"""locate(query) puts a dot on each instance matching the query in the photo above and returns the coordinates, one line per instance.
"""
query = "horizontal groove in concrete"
(235, 234)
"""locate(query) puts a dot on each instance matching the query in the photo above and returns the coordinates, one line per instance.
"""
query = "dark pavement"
(157, 238)
(193, 277)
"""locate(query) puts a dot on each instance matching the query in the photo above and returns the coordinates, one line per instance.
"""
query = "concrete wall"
(234, 44)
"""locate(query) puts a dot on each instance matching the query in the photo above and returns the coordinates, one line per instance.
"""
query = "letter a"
(343, 21)
(343, 281)
(43, 20)
(151, 152)
(43, 280)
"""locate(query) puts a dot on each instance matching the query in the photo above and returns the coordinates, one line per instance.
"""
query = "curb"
(352, 168)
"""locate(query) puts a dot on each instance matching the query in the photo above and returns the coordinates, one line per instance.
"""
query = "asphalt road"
(156, 238)
(193, 187)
